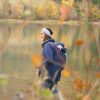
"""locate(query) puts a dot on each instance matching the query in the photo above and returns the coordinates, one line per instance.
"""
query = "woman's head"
(46, 34)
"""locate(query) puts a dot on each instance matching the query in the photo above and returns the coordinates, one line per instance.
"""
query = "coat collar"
(50, 40)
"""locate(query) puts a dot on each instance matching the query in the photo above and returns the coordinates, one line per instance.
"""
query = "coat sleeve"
(48, 54)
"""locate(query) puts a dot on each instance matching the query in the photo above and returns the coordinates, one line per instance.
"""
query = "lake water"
(20, 41)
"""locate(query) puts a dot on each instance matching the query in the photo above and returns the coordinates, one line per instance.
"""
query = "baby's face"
(60, 46)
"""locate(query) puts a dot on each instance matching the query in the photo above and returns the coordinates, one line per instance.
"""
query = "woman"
(53, 71)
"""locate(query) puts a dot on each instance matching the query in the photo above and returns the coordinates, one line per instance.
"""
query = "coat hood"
(50, 40)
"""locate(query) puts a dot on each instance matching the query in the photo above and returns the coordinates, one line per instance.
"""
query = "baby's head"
(60, 46)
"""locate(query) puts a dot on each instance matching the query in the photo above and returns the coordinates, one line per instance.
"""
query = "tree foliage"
(46, 9)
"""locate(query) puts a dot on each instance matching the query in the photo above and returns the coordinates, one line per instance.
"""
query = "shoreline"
(51, 22)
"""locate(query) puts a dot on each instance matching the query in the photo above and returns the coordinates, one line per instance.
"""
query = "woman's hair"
(46, 36)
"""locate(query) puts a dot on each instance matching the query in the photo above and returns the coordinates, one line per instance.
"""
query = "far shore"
(69, 22)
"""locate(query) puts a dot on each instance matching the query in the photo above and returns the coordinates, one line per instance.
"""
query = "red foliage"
(64, 12)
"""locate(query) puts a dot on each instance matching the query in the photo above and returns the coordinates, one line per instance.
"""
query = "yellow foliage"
(4, 80)
(54, 9)
(95, 12)
(67, 2)
(46, 10)
(17, 9)
(65, 73)
(41, 10)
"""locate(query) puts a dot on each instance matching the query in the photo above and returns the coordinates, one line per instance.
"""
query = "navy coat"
(48, 54)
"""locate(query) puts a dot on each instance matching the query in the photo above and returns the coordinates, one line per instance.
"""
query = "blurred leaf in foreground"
(3, 80)
(79, 42)
(46, 93)
(65, 73)
(36, 60)
(80, 85)
(86, 98)
(98, 74)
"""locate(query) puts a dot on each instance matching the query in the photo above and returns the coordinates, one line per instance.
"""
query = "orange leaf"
(78, 84)
(98, 60)
(86, 98)
(79, 42)
(36, 59)
(98, 74)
